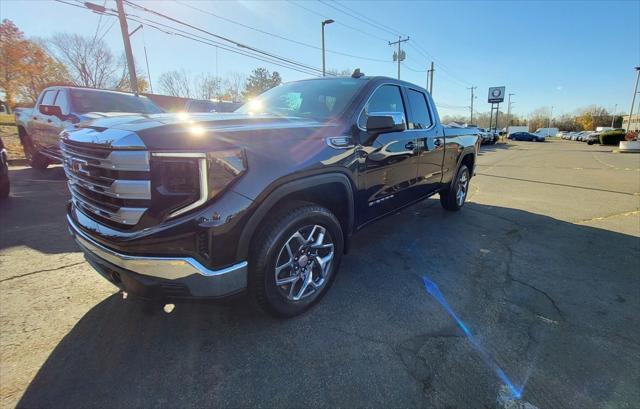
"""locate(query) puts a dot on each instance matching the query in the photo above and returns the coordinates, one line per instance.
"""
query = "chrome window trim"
(405, 108)
(204, 182)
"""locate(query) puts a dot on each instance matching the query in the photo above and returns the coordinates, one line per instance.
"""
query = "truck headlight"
(185, 181)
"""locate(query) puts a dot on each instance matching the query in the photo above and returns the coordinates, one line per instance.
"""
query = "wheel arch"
(467, 157)
(329, 190)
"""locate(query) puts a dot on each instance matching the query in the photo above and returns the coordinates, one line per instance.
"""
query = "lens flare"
(197, 130)
(432, 288)
(255, 106)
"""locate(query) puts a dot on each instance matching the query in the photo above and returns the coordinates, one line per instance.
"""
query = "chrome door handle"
(410, 146)
(437, 142)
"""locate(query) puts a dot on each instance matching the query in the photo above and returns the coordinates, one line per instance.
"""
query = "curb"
(18, 162)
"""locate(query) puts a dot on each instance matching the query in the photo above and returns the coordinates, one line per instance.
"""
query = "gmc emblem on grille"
(78, 166)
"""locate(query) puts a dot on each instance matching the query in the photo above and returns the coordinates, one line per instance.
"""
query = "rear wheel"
(295, 259)
(454, 198)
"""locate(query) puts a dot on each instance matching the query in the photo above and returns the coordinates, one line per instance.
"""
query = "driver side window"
(387, 98)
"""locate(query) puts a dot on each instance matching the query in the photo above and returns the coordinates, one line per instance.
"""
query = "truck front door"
(388, 164)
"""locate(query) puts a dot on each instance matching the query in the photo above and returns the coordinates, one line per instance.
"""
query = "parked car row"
(605, 137)
(488, 136)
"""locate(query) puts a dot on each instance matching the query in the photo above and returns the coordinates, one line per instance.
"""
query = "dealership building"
(635, 122)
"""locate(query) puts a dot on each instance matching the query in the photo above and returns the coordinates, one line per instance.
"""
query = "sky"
(560, 54)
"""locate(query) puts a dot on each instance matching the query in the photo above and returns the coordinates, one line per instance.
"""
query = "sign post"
(496, 96)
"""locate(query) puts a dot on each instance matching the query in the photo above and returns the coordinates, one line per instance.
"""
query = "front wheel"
(295, 259)
(34, 157)
(454, 198)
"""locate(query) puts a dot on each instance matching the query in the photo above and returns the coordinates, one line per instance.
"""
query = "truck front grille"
(112, 185)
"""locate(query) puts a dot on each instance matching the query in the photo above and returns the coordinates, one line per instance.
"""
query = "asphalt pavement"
(527, 298)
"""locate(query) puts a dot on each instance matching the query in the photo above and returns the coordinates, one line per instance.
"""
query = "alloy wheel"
(304, 262)
(463, 185)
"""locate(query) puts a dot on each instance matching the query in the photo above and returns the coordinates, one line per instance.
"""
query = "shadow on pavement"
(545, 296)
(495, 147)
(33, 215)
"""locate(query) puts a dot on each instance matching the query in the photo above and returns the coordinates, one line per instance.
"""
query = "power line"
(373, 22)
(279, 36)
(194, 37)
(369, 21)
(200, 39)
(324, 16)
(235, 43)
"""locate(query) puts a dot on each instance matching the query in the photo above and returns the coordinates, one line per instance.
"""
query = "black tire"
(269, 247)
(449, 197)
(36, 159)
(5, 186)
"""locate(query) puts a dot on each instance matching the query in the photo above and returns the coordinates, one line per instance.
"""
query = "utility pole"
(633, 100)
(399, 54)
(471, 119)
(613, 115)
(133, 80)
(430, 76)
(324, 23)
(509, 110)
(549, 120)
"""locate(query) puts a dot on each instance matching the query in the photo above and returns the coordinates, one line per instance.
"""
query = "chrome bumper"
(186, 271)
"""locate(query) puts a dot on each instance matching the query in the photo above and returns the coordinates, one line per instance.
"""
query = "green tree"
(260, 81)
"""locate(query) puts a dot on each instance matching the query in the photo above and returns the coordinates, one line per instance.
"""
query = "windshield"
(317, 99)
(84, 101)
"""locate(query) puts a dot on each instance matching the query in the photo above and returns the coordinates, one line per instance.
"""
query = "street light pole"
(633, 100)
(613, 115)
(549, 121)
(324, 23)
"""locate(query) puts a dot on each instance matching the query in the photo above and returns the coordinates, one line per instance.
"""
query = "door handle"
(437, 142)
(410, 146)
(49, 120)
(35, 118)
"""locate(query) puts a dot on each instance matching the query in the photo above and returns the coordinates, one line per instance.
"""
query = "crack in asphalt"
(533, 287)
(42, 271)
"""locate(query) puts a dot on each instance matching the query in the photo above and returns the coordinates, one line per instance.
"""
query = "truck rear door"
(430, 141)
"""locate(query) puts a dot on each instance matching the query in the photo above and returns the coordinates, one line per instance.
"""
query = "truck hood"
(195, 131)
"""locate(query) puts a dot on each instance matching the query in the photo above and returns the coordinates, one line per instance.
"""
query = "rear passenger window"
(48, 98)
(419, 118)
(387, 98)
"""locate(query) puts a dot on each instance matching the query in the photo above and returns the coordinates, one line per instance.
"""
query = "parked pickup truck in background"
(266, 199)
(60, 107)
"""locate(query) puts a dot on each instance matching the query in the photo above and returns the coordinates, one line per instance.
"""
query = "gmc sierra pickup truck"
(265, 199)
(59, 107)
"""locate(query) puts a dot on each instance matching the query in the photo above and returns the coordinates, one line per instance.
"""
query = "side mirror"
(380, 122)
(51, 110)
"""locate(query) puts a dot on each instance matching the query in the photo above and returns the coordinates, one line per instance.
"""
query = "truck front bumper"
(160, 277)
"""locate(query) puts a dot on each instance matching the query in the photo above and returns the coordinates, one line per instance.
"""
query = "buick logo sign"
(496, 94)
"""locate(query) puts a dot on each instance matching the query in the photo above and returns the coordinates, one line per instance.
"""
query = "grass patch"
(7, 119)
(9, 135)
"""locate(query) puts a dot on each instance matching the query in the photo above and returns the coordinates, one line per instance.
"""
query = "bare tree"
(176, 83)
(208, 86)
(89, 61)
(234, 83)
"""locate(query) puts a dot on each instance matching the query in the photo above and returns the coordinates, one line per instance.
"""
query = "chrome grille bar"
(119, 160)
(106, 183)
